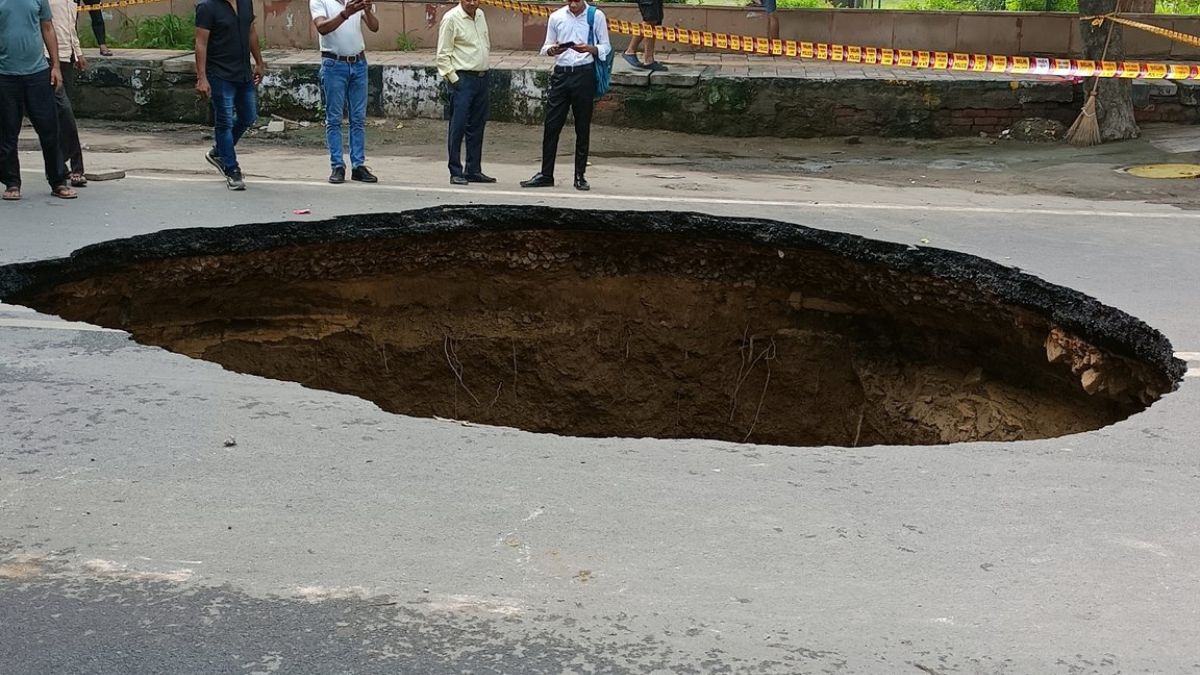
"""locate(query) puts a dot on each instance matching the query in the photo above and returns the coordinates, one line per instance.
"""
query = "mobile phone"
(566, 45)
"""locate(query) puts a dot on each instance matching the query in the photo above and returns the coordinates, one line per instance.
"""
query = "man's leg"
(39, 107)
(648, 52)
(222, 107)
(476, 121)
(11, 111)
(772, 19)
(583, 98)
(334, 75)
(356, 103)
(245, 105)
(634, 43)
(460, 108)
(97, 19)
(558, 102)
(68, 131)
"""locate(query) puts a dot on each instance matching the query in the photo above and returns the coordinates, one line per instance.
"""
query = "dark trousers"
(574, 91)
(31, 95)
(68, 131)
(468, 115)
(97, 22)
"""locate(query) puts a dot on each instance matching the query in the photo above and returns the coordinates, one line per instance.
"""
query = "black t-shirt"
(228, 39)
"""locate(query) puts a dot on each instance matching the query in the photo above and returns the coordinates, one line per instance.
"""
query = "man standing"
(462, 58)
(226, 37)
(70, 58)
(652, 14)
(27, 85)
(344, 80)
(575, 43)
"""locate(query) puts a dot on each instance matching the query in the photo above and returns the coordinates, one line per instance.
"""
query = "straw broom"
(1086, 129)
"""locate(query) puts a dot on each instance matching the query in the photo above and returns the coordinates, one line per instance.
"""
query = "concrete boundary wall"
(286, 24)
(709, 97)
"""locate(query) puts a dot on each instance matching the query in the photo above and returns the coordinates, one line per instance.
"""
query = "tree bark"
(1139, 6)
(1114, 98)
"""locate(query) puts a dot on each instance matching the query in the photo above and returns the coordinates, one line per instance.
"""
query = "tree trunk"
(1139, 6)
(1114, 98)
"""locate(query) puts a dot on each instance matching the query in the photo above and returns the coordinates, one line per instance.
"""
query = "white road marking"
(574, 196)
(55, 325)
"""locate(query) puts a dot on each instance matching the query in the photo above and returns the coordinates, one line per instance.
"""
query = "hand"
(354, 7)
(555, 50)
(258, 74)
(587, 49)
(80, 62)
(203, 87)
(56, 80)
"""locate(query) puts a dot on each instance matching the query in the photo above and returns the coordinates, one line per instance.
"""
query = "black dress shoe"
(363, 175)
(538, 180)
(458, 180)
(338, 175)
(582, 184)
(480, 178)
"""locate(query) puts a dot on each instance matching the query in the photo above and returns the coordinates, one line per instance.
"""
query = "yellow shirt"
(463, 43)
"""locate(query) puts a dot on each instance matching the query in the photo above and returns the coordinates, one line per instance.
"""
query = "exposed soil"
(666, 332)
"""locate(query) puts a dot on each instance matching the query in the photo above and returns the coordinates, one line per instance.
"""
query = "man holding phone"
(572, 85)
(344, 80)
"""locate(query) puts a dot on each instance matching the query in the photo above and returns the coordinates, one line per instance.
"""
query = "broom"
(1086, 129)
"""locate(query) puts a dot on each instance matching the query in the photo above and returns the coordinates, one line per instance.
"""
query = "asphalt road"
(335, 538)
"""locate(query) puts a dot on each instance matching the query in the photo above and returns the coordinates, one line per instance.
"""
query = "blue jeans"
(345, 88)
(468, 115)
(235, 107)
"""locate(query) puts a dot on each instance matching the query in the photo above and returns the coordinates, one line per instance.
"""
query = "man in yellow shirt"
(462, 58)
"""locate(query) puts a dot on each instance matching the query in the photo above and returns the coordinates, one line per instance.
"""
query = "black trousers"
(30, 95)
(468, 117)
(68, 131)
(97, 22)
(574, 91)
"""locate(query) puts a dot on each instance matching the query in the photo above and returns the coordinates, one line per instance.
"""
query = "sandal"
(12, 193)
(63, 192)
(77, 180)
(105, 51)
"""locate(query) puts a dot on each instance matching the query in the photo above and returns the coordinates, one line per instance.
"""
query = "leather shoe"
(480, 178)
(458, 180)
(338, 175)
(363, 175)
(538, 180)
(582, 184)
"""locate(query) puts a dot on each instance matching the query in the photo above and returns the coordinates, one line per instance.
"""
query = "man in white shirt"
(573, 84)
(70, 58)
(344, 80)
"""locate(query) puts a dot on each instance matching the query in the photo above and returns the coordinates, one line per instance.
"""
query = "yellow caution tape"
(114, 5)
(886, 56)
(1149, 28)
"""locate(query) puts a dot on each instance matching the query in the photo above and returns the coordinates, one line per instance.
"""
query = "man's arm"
(52, 48)
(256, 52)
(369, 17)
(551, 47)
(445, 50)
(202, 61)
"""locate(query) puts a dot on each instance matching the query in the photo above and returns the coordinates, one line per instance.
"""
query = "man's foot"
(538, 180)
(338, 175)
(480, 178)
(212, 158)
(363, 175)
(459, 180)
(105, 51)
(582, 184)
(632, 60)
(656, 66)
(234, 180)
(63, 192)
(12, 193)
(76, 179)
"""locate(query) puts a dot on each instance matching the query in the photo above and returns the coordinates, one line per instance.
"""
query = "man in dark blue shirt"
(226, 37)
(27, 84)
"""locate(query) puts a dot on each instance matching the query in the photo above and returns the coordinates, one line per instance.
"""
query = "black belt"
(572, 69)
(472, 73)
(344, 59)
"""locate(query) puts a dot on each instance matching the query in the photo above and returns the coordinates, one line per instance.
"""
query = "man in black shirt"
(226, 37)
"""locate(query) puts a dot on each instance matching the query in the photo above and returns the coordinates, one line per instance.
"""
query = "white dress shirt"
(346, 39)
(565, 26)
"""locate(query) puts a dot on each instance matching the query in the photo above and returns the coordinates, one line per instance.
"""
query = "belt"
(472, 73)
(344, 59)
(572, 69)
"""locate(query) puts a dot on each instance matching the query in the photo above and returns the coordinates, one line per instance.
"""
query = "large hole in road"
(589, 323)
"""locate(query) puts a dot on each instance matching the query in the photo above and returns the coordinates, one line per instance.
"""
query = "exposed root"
(456, 366)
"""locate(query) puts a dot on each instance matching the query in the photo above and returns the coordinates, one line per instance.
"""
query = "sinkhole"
(618, 323)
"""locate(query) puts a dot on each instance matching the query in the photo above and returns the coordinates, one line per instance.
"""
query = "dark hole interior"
(742, 331)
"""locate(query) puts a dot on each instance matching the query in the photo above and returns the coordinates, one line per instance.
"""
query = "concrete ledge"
(734, 96)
